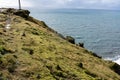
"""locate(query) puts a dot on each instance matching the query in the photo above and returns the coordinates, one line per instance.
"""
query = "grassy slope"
(29, 51)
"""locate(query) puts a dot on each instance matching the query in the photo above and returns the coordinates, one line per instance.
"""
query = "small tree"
(19, 4)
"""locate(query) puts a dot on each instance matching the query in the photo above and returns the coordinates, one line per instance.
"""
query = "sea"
(99, 30)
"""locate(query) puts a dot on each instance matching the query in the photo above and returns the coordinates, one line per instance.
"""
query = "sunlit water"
(99, 30)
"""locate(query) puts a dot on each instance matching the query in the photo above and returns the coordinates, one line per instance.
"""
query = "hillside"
(30, 50)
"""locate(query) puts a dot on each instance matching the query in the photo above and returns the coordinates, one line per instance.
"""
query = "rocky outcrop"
(81, 45)
(115, 67)
(22, 13)
(70, 39)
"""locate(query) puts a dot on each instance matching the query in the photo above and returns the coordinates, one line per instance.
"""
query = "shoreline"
(32, 50)
(104, 45)
(68, 38)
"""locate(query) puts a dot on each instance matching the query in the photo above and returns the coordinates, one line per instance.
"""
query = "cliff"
(30, 50)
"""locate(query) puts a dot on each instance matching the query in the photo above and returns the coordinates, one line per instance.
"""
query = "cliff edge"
(30, 50)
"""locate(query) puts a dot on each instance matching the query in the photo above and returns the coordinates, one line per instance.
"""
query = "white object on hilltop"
(8, 22)
(7, 26)
(2, 9)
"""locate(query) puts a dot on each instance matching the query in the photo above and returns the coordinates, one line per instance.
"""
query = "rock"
(23, 34)
(70, 39)
(7, 10)
(81, 45)
(116, 68)
(3, 10)
(22, 13)
(95, 55)
(80, 65)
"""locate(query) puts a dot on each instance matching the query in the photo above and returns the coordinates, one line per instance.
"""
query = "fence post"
(19, 4)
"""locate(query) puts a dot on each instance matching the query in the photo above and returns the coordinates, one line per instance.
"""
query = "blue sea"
(99, 30)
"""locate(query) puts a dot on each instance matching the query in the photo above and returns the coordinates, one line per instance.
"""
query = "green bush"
(29, 50)
(11, 68)
(2, 50)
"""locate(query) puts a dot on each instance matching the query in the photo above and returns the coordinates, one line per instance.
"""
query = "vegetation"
(30, 50)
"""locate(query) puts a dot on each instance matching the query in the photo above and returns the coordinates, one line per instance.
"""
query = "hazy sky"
(87, 4)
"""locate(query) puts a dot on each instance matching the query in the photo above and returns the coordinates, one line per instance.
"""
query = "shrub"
(11, 68)
(91, 74)
(1, 50)
(29, 50)
(58, 67)
(80, 65)
(4, 50)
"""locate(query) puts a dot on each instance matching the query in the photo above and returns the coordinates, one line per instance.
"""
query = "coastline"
(98, 30)
(38, 52)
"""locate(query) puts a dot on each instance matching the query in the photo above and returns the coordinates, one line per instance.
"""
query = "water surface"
(99, 30)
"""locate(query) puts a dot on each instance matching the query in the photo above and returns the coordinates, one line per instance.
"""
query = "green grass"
(36, 52)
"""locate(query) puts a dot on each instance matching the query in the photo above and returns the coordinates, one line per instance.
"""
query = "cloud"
(14, 3)
(94, 4)
(87, 4)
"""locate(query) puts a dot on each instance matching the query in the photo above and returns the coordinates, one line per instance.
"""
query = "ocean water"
(99, 30)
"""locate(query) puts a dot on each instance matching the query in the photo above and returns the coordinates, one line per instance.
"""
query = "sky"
(82, 4)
